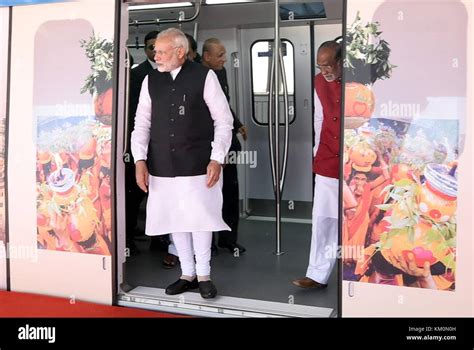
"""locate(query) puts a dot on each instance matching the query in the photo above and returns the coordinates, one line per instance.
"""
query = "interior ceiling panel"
(244, 15)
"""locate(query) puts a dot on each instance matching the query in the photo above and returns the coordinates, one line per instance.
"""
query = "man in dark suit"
(193, 55)
(140, 72)
(214, 57)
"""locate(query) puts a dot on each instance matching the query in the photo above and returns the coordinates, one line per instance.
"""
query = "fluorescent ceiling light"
(221, 2)
(159, 6)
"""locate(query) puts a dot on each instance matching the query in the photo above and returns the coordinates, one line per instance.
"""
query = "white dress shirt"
(153, 63)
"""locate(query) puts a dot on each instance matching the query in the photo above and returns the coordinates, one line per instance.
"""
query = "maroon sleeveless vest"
(326, 161)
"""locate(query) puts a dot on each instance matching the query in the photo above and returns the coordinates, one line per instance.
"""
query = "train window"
(261, 61)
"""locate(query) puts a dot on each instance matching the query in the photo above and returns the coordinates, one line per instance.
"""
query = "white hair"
(178, 37)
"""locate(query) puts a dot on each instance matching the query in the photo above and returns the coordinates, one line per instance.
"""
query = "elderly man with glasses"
(327, 124)
(183, 131)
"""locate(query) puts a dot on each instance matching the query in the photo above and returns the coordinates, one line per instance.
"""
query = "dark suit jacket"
(137, 76)
(222, 77)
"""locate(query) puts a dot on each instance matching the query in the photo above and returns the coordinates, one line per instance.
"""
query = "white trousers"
(322, 256)
(194, 252)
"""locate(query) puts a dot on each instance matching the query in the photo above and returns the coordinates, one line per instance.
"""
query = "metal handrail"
(234, 56)
(287, 122)
(127, 101)
(276, 50)
(168, 21)
(270, 125)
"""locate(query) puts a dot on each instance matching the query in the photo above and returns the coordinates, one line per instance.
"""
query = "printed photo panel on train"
(61, 114)
(405, 113)
(73, 137)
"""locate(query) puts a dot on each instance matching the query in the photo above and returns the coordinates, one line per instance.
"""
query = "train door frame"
(155, 298)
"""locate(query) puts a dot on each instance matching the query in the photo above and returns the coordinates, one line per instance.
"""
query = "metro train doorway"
(257, 282)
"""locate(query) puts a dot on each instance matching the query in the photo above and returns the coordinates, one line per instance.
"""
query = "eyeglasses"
(161, 52)
(151, 47)
(326, 68)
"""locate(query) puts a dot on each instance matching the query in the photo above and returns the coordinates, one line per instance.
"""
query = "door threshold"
(268, 218)
(191, 303)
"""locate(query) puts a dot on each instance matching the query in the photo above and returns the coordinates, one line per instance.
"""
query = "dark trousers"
(230, 207)
(133, 197)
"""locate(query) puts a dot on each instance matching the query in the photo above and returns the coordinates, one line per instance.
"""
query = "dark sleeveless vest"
(181, 125)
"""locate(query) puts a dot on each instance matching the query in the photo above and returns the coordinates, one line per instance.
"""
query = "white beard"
(329, 78)
(162, 68)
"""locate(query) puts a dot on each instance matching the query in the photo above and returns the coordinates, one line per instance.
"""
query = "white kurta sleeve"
(141, 132)
(318, 122)
(222, 116)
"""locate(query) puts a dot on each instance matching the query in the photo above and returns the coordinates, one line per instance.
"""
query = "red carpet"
(14, 304)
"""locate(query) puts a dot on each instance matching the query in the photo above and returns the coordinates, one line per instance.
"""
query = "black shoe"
(207, 289)
(233, 248)
(181, 286)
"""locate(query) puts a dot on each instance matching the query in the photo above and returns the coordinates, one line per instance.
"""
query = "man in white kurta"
(327, 126)
(189, 206)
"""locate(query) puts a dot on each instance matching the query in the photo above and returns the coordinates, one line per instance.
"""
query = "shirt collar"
(175, 72)
(153, 63)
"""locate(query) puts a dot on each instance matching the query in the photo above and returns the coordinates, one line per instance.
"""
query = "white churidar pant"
(191, 246)
(324, 237)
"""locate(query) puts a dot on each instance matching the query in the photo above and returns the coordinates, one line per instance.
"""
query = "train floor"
(257, 274)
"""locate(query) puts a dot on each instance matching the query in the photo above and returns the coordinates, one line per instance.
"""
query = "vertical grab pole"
(271, 90)
(276, 50)
(126, 145)
(287, 123)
